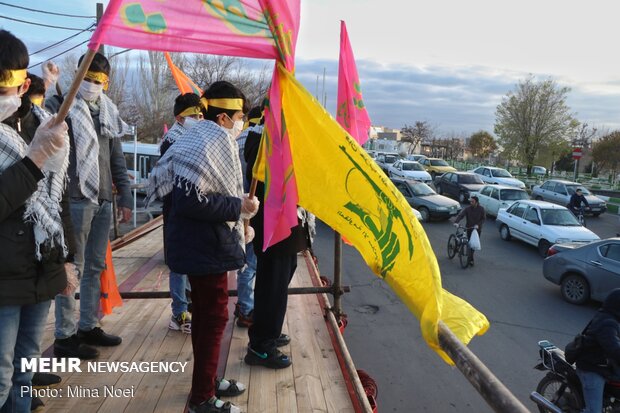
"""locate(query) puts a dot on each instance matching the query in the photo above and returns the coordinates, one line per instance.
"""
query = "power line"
(121, 52)
(62, 41)
(59, 54)
(41, 24)
(46, 12)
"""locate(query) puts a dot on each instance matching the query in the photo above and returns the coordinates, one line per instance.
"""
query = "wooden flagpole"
(75, 85)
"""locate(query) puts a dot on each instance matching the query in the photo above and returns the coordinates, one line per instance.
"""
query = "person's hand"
(456, 224)
(72, 279)
(249, 206)
(51, 72)
(124, 214)
(249, 234)
(48, 140)
(475, 226)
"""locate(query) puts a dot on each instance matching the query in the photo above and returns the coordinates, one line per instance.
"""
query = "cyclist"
(474, 216)
(576, 200)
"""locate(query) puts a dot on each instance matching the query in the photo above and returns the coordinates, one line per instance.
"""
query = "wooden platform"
(315, 382)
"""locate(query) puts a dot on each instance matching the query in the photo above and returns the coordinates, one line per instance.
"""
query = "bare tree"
(413, 135)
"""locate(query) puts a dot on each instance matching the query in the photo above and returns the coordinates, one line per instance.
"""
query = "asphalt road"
(506, 284)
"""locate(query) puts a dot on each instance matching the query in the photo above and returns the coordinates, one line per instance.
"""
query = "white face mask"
(90, 91)
(237, 128)
(189, 123)
(9, 105)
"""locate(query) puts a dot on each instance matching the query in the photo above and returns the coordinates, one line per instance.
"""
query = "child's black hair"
(99, 64)
(184, 101)
(255, 113)
(13, 55)
(222, 90)
(37, 85)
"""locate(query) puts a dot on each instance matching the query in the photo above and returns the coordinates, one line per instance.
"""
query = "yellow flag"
(342, 186)
(259, 170)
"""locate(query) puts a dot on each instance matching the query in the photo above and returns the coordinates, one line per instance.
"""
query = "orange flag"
(184, 83)
(110, 297)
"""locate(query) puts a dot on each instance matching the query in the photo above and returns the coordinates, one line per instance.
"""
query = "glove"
(72, 279)
(249, 206)
(456, 224)
(249, 234)
(50, 73)
(48, 141)
(475, 226)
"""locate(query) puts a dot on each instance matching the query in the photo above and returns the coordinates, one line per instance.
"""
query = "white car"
(495, 197)
(541, 224)
(409, 170)
(417, 215)
(493, 175)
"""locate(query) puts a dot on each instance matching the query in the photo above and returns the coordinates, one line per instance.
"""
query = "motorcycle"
(560, 390)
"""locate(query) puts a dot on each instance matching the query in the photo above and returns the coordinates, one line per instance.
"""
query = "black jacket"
(23, 279)
(198, 239)
(602, 346)
(576, 200)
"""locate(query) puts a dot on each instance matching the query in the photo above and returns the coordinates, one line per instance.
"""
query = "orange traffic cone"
(110, 297)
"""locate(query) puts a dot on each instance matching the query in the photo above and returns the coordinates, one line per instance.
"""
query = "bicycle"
(459, 243)
(580, 214)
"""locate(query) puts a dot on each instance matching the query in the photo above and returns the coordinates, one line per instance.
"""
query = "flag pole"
(73, 89)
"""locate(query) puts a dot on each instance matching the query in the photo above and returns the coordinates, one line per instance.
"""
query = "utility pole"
(99, 16)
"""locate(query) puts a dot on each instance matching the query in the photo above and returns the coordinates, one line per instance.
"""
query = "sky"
(447, 62)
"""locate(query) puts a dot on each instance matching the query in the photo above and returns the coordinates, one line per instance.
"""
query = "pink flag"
(351, 112)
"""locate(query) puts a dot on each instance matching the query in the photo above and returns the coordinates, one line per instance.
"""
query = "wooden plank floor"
(313, 384)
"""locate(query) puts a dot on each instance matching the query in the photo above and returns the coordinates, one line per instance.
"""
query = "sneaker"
(283, 340)
(245, 321)
(213, 405)
(43, 380)
(36, 405)
(183, 323)
(73, 347)
(273, 360)
(228, 388)
(97, 337)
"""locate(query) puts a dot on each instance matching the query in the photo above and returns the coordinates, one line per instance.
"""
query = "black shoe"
(72, 347)
(36, 405)
(97, 337)
(42, 380)
(213, 406)
(273, 360)
(283, 340)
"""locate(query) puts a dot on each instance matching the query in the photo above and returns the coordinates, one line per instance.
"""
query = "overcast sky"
(448, 62)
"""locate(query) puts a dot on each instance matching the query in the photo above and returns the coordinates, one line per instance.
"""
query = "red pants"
(209, 318)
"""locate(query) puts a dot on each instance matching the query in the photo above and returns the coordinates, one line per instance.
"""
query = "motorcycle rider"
(600, 358)
(576, 200)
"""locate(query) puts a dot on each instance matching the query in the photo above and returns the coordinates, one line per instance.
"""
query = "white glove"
(456, 224)
(48, 141)
(475, 226)
(249, 234)
(50, 73)
(72, 279)
(249, 206)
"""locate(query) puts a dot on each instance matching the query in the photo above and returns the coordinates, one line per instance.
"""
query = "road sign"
(577, 154)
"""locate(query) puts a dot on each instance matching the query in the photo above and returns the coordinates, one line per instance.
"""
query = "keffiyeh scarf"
(87, 142)
(43, 207)
(173, 133)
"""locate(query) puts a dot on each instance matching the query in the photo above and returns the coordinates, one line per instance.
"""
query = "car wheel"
(426, 215)
(462, 198)
(543, 247)
(539, 198)
(595, 215)
(439, 190)
(575, 289)
(504, 232)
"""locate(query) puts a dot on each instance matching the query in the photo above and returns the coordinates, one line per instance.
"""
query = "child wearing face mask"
(205, 235)
(96, 164)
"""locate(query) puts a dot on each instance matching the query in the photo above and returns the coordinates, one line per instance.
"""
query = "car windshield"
(513, 195)
(410, 166)
(572, 188)
(439, 162)
(390, 158)
(500, 173)
(420, 189)
(559, 217)
(470, 179)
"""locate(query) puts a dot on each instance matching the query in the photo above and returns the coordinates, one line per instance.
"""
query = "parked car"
(417, 214)
(417, 158)
(539, 170)
(422, 197)
(584, 272)
(493, 175)
(559, 192)
(409, 170)
(384, 160)
(495, 197)
(459, 185)
(436, 166)
(541, 224)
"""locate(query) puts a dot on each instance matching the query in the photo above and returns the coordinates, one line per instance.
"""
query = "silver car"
(559, 192)
(584, 272)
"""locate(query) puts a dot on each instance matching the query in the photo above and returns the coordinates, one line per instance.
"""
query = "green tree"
(531, 117)
(482, 144)
(606, 154)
